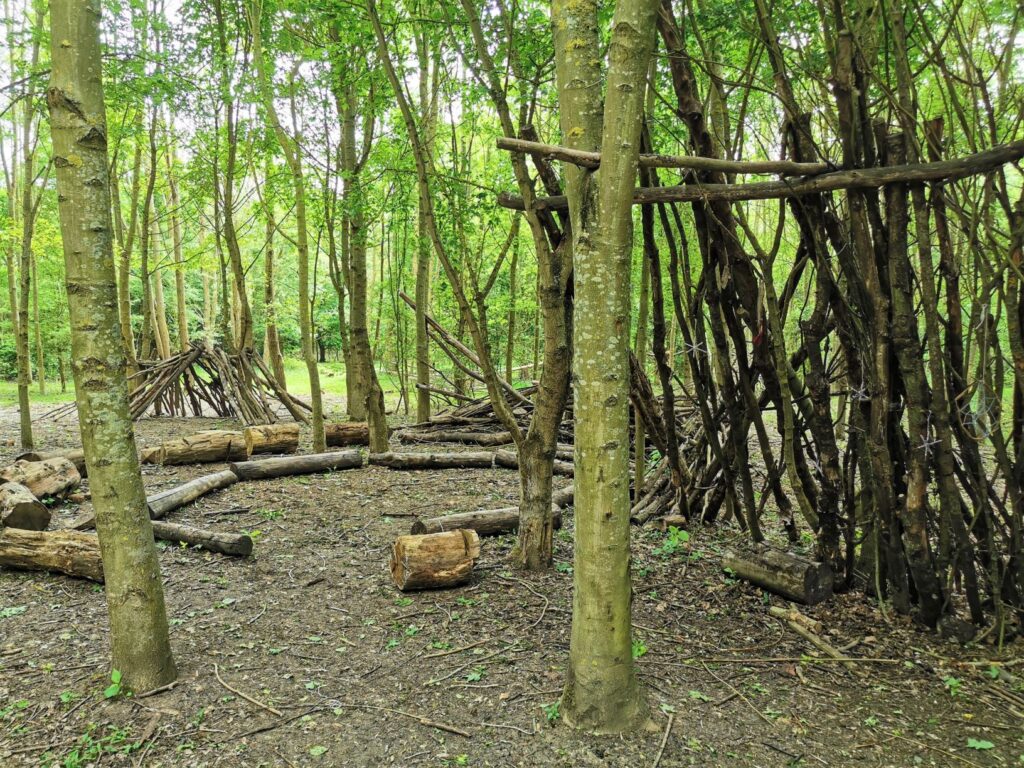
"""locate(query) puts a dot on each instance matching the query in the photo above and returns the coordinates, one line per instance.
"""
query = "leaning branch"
(587, 159)
(854, 178)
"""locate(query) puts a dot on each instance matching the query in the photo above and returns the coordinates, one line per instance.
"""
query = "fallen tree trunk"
(468, 460)
(43, 478)
(225, 543)
(791, 576)
(165, 501)
(264, 469)
(435, 560)
(486, 522)
(19, 508)
(510, 460)
(446, 436)
(564, 497)
(75, 455)
(69, 552)
(205, 447)
(346, 433)
(271, 438)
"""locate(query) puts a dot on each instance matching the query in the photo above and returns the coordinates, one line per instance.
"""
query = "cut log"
(201, 448)
(75, 455)
(468, 460)
(271, 438)
(20, 509)
(345, 433)
(43, 478)
(70, 552)
(214, 541)
(264, 469)
(783, 573)
(447, 436)
(510, 459)
(564, 497)
(434, 560)
(165, 501)
(486, 522)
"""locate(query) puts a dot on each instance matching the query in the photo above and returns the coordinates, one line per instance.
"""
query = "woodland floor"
(312, 626)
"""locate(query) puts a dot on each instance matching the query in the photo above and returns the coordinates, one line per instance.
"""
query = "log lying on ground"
(447, 436)
(264, 469)
(435, 560)
(271, 438)
(346, 433)
(783, 573)
(510, 460)
(70, 552)
(201, 448)
(564, 497)
(43, 478)
(225, 543)
(165, 501)
(19, 508)
(486, 522)
(468, 460)
(75, 455)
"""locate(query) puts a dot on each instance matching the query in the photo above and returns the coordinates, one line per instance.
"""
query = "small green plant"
(403, 602)
(114, 688)
(980, 744)
(551, 711)
(14, 610)
(639, 649)
(953, 685)
(270, 514)
(476, 675)
(317, 750)
(412, 630)
(871, 722)
(675, 539)
(563, 567)
(699, 696)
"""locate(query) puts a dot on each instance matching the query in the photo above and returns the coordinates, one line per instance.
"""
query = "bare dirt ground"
(362, 675)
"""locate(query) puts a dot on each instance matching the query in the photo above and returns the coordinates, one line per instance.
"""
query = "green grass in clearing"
(9, 393)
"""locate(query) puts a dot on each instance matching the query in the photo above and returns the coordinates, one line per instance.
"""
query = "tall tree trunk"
(271, 339)
(140, 645)
(602, 693)
(292, 151)
(38, 328)
(29, 208)
(428, 119)
(145, 239)
(181, 309)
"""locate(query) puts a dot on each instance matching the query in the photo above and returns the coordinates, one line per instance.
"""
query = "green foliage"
(114, 689)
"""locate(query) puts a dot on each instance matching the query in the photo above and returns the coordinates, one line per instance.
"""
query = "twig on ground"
(246, 696)
(664, 739)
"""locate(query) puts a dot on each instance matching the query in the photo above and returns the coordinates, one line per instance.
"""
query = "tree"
(293, 154)
(602, 693)
(140, 646)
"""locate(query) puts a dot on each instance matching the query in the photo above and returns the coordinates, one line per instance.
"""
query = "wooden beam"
(853, 178)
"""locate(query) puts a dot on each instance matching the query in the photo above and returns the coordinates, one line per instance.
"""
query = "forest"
(507, 383)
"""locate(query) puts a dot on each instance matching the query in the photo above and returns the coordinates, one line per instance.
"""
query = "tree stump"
(201, 448)
(486, 522)
(43, 479)
(271, 438)
(434, 560)
(20, 509)
(70, 552)
(783, 573)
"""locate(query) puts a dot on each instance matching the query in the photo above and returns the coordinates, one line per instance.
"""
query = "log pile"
(434, 560)
(343, 434)
(266, 469)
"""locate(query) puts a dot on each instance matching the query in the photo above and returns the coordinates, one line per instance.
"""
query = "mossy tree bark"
(138, 621)
(602, 693)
